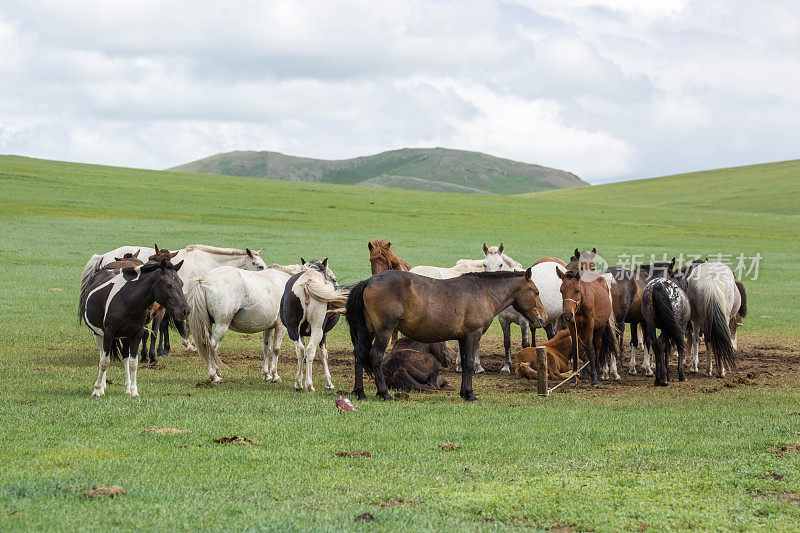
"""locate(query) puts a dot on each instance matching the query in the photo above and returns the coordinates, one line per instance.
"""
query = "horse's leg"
(126, 362)
(591, 351)
(613, 357)
(158, 320)
(695, 343)
(300, 351)
(277, 340)
(220, 329)
(105, 361)
(358, 386)
(268, 340)
(506, 327)
(151, 335)
(549, 330)
(376, 359)
(681, 375)
(468, 346)
(667, 354)
(323, 347)
(646, 366)
(658, 351)
(632, 364)
(134, 364)
(311, 351)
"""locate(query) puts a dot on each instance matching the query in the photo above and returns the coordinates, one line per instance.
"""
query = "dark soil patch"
(366, 517)
(448, 446)
(101, 490)
(204, 385)
(782, 497)
(776, 477)
(236, 439)
(789, 448)
(358, 453)
(385, 504)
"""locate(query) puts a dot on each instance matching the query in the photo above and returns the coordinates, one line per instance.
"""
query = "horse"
(736, 320)
(432, 310)
(307, 299)
(159, 320)
(714, 298)
(114, 304)
(666, 307)
(558, 357)
(198, 259)
(462, 266)
(414, 365)
(548, 285)
(582, 260)
(241, 300)
(381, 257)
(589, 313)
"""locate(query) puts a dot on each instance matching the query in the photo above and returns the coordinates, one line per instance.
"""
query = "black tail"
(82, 301)
(609, 346)
(666, 320)
(359, 334)
(718, 335)
(743, 294)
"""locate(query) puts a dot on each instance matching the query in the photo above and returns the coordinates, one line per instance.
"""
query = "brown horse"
(559, 350)
(432, 310)
(582, 260)
(589, 314)
(381, 257)
(414, 365)
(550, 260)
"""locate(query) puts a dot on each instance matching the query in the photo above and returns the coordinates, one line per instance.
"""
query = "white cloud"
(608, 89)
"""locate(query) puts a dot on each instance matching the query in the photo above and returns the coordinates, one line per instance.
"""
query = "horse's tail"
(82, 299)
(743, 295)
(612, 320)
(665, 318)
(359, 333)
(199, 318)
(324, 292)
(717, 317)
(92, 266)
(609, 343)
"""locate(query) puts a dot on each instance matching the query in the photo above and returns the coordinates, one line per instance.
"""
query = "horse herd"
(583, 313)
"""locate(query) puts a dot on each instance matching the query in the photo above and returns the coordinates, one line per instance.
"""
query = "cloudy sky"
(608, 89)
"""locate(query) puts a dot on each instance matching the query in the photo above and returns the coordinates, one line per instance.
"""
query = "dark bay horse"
(414, 365)
(114, 304)
(381, 257)
(589, 314)
(432, 310)
(665, 307)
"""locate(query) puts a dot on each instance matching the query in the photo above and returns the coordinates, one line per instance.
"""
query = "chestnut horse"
(589, 313)
(559, 349)
(381, 257)
(432, 310)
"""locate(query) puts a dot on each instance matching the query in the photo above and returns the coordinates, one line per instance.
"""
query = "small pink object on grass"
(344, 404)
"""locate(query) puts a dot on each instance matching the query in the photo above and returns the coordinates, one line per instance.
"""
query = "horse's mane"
(289, 269)
(214, 250)
(380, 250)
(494, 275)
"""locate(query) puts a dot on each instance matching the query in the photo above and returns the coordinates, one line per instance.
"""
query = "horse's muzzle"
(183, 314)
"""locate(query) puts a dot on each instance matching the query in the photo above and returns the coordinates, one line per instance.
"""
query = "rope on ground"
(568, 378)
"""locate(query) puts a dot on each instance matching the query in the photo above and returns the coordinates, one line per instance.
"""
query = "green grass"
(592, 460)
(428, 169)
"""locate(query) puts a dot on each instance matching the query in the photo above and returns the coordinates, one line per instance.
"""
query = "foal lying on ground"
(558, 348)
(413, 365)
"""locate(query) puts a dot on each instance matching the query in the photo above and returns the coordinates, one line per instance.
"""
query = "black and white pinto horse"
(114, 304)
(306, 305)
(665, 307)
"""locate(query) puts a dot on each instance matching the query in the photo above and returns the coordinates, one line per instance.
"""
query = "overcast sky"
(608, 89)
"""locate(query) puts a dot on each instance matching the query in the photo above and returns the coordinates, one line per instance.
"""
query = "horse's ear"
(325, 262)
(389, 244)
(163, 265)
(594, 250)
(577, 253)
(249, 252)
(178, 266)
(485, 249)
(136, 254)
(500, 250)
(369, 245)
(119, 259)
(155, 247)
(302, 261)
(173, 254)
(672, 263)
(559, 273)
(527, 272)
(259, 251)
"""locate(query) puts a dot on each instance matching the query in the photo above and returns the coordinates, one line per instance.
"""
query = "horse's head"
(253, 260)
(161, 253)
(322, 268)
(378, 258)
(493, 258)
(527, 301)
(570, 292)
(661, 269)
(582, 260)
(168, 287)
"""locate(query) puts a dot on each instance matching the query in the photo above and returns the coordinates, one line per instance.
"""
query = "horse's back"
(549, 284)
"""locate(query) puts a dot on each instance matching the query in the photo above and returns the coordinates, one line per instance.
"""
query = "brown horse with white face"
(589, 314)
(381, 257)
(433, 310)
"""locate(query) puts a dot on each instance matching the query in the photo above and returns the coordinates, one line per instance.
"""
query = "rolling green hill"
(425, 169)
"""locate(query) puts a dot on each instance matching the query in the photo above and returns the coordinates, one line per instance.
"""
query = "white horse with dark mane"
(240, 300)
(544, 277)
(197, 260)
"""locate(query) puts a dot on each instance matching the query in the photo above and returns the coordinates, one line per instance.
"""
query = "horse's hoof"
(298, 387)
(661, 383)
(457, 370)
(632, 371)
(265, 376)
(681, 378)
(134, 394)
(98, 392)
(616, 377)
(479, 370)
(469, 397)
(504, 371)
(277, 379)
(386, 397)
(329, 386)
(360, 395)
(649, 373)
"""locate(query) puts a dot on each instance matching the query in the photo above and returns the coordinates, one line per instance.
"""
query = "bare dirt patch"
(101, 490)
(165, 431)
(448, 446)
(790, 448)
(358, 453)
(366, 517)
(204, 385)
(782, 497)
(771, 475)
(386, 504)
(237, 439)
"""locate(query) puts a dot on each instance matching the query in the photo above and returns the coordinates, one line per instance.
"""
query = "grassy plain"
(618, 458)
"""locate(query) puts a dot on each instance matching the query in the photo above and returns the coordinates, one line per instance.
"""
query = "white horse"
(462, 266)
(198, 259)
(549, 285)
(306, 312)
(714, 297)
(240, 300)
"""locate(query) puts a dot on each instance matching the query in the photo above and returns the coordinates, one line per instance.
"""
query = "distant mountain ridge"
(426, 169)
